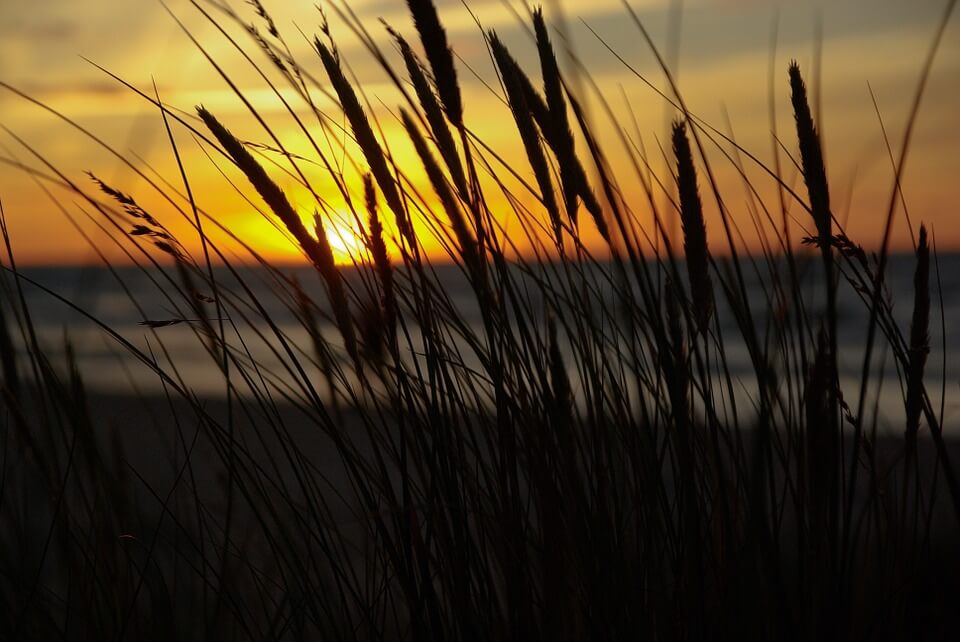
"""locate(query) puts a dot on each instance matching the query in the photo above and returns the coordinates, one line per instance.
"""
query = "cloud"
(37, 22)
(37, 32)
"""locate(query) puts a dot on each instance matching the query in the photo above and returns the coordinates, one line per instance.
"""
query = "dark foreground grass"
(579, 462)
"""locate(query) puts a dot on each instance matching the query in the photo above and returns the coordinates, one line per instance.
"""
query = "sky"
(721, 52)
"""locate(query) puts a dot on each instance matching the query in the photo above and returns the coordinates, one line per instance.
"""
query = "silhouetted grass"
(579, 460)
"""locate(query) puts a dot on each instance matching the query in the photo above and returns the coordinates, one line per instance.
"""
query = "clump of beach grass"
(574, 453)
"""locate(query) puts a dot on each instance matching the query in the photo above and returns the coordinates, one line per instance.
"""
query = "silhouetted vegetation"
(580, 462)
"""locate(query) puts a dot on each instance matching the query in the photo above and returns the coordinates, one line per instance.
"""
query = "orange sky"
(723, 63)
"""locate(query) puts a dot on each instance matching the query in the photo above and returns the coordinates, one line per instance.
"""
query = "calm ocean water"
(109, 367)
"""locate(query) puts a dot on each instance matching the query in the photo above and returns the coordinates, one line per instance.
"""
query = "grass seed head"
(434, 40)
(919, 338)
(694, 229)
(558, 134)
(523, 101)
(434, 115)
(366, 139)
(271, 194)
(468, 245)
(811, 157)
(378, 249)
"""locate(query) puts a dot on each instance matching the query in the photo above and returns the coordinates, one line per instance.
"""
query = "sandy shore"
(156, 433)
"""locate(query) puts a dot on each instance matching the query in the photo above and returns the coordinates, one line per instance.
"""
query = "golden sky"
(722, 60)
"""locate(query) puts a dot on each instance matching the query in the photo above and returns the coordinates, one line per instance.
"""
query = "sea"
(100, 315)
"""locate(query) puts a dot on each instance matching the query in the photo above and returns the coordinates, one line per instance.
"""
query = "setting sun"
(345, 241)
(264, 235)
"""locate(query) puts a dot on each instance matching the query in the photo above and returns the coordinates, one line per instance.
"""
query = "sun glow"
(345, 241)
(265, 237)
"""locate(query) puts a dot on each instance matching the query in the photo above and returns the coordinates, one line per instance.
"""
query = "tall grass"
(579, 459)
